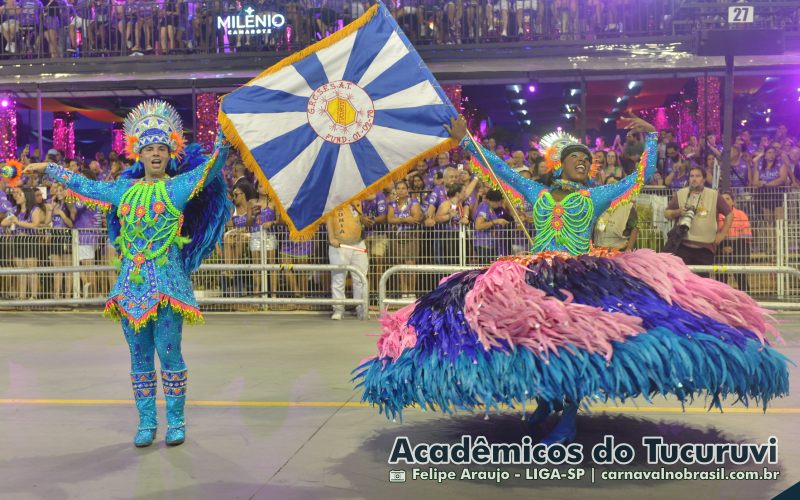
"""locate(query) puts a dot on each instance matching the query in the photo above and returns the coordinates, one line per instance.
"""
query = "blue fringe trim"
(438, 318)
(658, 362)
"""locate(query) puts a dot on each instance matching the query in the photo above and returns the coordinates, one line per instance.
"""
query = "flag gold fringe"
(250, 162)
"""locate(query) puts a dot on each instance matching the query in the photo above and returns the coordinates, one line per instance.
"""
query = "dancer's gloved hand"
(457, 128)
(35, 168)
(637, 125)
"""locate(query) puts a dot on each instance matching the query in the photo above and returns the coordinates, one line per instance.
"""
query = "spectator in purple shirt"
(80, 18)
(5, 205)
(451, 215)
(58, 215)
(373, 220)
(678, 176)
(87, 221)
(471, 184)
(25, 220)
(442, 162)
(404, 215)
(438, 195)
(794, 166)
(487, 226)
(740, 172)
(263, 239)
(54, 13)
(420, 169)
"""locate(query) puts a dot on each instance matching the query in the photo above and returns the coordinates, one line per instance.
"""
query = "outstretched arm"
(627, 188)
(530, 189)
(101, 193)
(189, 184)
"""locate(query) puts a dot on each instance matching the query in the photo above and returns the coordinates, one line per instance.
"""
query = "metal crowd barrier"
(383, 296)
(385, 302)
(202, 300)
(268, 264)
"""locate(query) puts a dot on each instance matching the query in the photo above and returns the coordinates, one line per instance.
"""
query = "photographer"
(617, 228)
(696, 207)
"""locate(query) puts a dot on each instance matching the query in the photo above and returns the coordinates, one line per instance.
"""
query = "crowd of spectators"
(417, 220)
(55, 28)
(765, 162)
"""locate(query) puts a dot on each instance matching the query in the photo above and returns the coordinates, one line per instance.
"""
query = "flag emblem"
(341, 112)
(334, 122)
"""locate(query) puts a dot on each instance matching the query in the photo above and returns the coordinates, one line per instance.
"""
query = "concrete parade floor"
(273, 415)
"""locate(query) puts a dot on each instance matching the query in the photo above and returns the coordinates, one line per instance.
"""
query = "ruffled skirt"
(588, 328)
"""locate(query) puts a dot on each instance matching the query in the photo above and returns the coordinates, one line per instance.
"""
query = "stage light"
(769, 110)
(606, 120)
(522, 111)
(768, 119)
(514, 88)
(527, 122)
(519, 102)
(633, 84)
(559, 129)
(574, 92)
(4, 103)
(532, 87)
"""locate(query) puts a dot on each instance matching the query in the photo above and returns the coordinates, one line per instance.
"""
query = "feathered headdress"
(11, 172)
(555, 145)
(153, 122)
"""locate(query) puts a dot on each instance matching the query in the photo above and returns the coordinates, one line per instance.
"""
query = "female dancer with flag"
(164, 217)
(568, 323)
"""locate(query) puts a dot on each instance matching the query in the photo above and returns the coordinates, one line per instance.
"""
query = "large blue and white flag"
(331, 123)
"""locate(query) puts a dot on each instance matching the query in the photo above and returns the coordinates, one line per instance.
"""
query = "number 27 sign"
(740, 14)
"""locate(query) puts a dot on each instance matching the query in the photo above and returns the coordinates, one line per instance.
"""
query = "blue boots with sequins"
(564, 432)
(144, 392)
(175, 393)
(543, 410)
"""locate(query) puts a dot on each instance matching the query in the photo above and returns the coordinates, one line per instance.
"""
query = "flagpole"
(514, 212)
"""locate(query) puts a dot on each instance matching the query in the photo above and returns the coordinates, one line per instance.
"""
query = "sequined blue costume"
(153, 293)
(158, 251)
(567, 225)
(150, 235)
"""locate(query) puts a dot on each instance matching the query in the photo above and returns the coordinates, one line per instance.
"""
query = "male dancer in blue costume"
(148, 206)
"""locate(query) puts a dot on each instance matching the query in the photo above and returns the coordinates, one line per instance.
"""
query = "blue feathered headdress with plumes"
(204, 216)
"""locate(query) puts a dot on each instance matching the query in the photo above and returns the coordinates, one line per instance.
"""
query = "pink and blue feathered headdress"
(154, 122)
